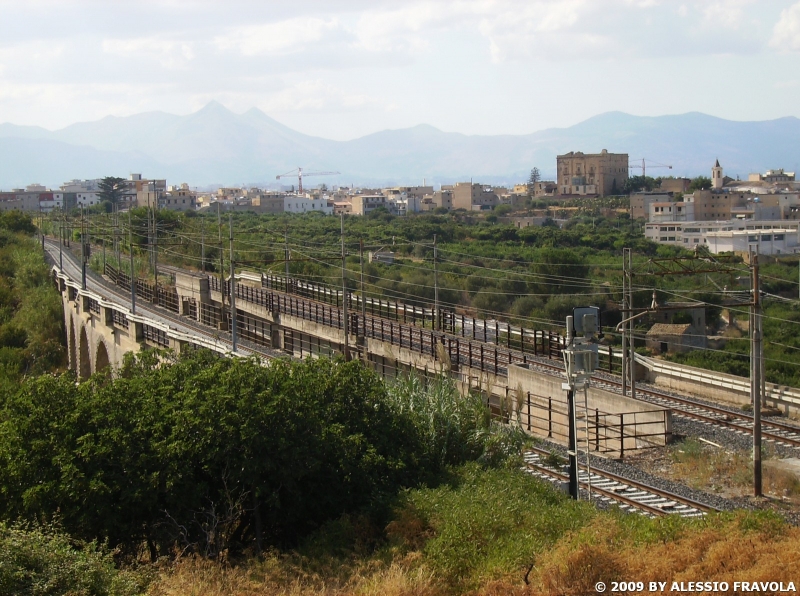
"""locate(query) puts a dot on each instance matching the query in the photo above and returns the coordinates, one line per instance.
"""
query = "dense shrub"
(42, 561)
(208, 454)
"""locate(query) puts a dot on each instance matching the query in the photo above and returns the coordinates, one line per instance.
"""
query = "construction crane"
(299, 173)
(633, 165)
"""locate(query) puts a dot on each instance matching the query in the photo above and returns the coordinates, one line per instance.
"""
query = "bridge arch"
(101, 360)
(84, 358)
(73, 361)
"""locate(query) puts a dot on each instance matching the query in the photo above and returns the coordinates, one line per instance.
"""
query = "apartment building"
(690, 234)
(366, 204)
(601, 174)
(178, 198)
(473, 197)
(296, 204)
(640, 202)
(268, 202)
(667, 211)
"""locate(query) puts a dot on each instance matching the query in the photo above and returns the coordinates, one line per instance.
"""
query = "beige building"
(271, 202)
(606, 172)
(473, 197)
(675, 185)
(716, 206)
(417, 192)
(641, 201)
(19, 200)
(365, 204)
(178, 198)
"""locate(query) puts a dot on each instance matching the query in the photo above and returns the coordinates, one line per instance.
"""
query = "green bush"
(42, 561)
(453, 428)
(486, 522)
(205, 452)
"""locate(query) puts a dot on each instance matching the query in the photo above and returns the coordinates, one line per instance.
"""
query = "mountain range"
(215, 146)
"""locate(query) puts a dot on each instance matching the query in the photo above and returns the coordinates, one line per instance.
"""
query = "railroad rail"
(630, 495)
(543, 355)
(779, 432)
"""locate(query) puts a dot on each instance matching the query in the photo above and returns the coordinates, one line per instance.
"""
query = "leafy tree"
(534, 177)
(112, 189)
(17, 221)
(639, 183)
(164, 453)
(700, 183)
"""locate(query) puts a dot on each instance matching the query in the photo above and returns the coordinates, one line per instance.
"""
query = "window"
(663, 239)
(778, 236)
(752, 238)
(671, 239)
(766, 238)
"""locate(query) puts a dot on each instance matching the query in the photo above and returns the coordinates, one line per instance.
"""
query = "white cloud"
(278, 38)
(786, 33)
(407, 28)
(169, 54)
(318, 96)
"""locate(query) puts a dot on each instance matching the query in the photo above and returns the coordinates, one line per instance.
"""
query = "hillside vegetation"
(31, 318)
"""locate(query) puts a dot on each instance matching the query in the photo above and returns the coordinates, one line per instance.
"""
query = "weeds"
(455, 428)
(704, 466)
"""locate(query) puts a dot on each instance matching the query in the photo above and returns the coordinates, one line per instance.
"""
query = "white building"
(694, 233)
(50, 201)
(87, 199)
(295, 204)
(666, 211)
(778, 241)
(81, 186)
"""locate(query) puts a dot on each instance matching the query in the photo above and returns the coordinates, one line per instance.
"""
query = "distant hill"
(215, 145)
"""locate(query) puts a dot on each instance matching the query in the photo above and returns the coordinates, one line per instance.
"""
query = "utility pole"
(625, 315)
(104, 254)
(580, 361)
(344, 298)
(221, 263)
(437, 323)
(83, 251)
(155, 254)
(363, 296)
(61, 244)
(133, 274)
(233, 287)
(117, 239)
(149, 232)
(286, 257)
(631, 326)
(756, 358)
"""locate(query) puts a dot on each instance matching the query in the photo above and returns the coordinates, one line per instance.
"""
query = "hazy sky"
(341, 69)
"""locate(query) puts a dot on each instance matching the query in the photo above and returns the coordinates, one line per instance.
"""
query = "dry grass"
(779, 481)
(727, 552)
(610, 548)
(287, 576)
(710, 468)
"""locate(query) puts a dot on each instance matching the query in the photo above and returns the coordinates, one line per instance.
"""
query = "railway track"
(781, 433)
(109, 289)
(495, 358)
(629, 495)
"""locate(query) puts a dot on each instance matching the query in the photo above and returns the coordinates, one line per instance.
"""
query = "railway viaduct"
(281, 318)
(102, 325)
